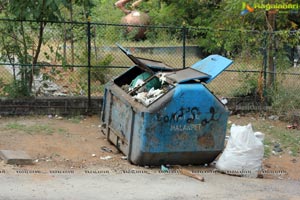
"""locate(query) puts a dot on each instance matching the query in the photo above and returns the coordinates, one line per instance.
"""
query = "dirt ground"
(78, 144)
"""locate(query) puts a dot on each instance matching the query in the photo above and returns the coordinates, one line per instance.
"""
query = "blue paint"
(185, 126)
(213, 65)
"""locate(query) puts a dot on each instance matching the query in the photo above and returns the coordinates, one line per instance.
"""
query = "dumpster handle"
(131, 134)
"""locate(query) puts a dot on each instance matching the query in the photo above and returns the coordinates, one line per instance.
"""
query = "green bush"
(284, 99)
(249, 85)
(99, 71)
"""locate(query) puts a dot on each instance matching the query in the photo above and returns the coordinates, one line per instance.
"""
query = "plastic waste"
(164, 169)
(147, 98)
(150, 84)
(243, 153)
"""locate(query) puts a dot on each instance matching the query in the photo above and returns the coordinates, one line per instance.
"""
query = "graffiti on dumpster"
(189, 115)
(183, 114)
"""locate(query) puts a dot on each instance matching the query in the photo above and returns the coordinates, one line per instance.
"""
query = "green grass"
(34, 129)
(76, 119)
(288, 139)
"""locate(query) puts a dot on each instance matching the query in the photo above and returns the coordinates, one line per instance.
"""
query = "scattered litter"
(162, 78)
(93, 155)
(58, 117)
(260, 136)
(243, 153)
(106, 149)
(106, 158)
(293, 126)
(224, 100)
(124, 157)
(190, 174)
(164, 169)
(273, 117)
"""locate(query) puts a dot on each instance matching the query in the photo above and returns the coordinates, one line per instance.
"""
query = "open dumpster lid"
(205, 70)
(212, 65)
(145, 64)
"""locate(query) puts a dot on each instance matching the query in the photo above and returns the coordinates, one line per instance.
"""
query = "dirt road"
(72, 160)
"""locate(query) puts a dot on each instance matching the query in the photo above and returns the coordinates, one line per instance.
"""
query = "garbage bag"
(154, 83)
(243, 153)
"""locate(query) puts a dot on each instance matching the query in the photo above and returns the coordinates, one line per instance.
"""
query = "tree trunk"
(271, 28)
(38, 49)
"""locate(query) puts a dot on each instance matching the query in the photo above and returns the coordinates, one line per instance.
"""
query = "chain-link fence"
(77, 59)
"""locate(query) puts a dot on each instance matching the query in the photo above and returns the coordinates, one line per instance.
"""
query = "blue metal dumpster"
(186, 125)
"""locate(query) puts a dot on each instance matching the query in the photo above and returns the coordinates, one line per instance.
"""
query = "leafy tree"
(19, 43)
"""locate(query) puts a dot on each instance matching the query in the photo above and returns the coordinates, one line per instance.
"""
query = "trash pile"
(43, 87)
(146, 88)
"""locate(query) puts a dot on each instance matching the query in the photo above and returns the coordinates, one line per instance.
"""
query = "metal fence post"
(89, 61)
(265, 57)
(184, 33)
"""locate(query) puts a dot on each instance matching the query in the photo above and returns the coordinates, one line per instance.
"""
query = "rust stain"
(206, 140)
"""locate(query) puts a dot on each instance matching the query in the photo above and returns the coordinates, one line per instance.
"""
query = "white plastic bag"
(243, 153)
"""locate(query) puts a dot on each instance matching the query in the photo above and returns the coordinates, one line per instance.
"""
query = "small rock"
(273, 117)
(124, 157)
(294, 160)
(238, 116)
(267, 165)
(93, 155)
(277, 148)
(205, 165)
(147, 167)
